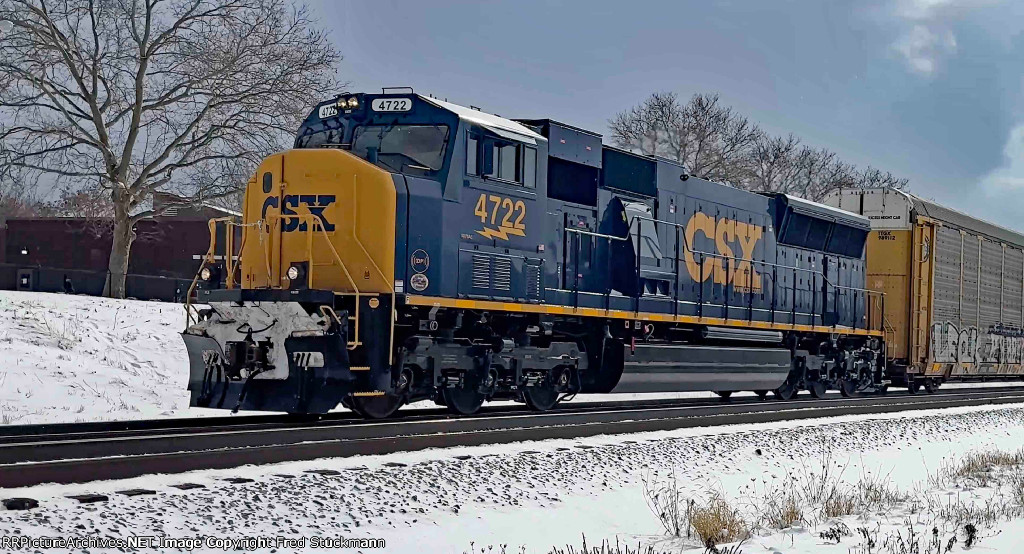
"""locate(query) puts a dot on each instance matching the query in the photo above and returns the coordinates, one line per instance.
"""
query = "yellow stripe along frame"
(548, 309)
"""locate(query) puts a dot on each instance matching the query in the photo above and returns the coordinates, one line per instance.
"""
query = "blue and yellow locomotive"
(409, 248)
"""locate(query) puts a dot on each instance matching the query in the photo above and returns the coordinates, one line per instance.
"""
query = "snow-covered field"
(79, 358)
(534, 496)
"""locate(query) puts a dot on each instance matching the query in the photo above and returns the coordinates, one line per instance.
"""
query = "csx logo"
(315, 203)
(724, 270)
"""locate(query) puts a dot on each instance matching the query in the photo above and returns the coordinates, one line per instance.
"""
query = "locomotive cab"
(333, 231)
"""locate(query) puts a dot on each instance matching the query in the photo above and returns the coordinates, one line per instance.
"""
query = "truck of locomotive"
(532, 263)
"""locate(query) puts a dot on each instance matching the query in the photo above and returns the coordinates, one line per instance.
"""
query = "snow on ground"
(534, 496)
(80, 358)
(70, 358)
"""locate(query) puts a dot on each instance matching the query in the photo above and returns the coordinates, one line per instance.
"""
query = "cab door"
(502, 221)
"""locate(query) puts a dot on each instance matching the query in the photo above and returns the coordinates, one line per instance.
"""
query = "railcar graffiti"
(951, 343)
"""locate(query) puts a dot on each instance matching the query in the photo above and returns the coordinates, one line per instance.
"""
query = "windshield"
(416, 149)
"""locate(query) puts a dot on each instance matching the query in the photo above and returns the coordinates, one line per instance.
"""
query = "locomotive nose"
(320, 219)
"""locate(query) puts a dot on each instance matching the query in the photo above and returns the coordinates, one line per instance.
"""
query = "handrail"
(731, 263)
(210, 258)
(312, 223)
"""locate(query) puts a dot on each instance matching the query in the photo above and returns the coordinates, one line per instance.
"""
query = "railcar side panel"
(953, 285)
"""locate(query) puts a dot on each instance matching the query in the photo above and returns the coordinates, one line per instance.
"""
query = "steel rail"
(81, 460)
(141, 427)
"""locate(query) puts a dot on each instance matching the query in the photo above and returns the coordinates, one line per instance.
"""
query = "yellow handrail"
(312, 223)
(210, 258)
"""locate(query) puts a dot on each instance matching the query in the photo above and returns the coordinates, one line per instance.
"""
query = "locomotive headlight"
(297, 273)
(352, 102)
(205, 274)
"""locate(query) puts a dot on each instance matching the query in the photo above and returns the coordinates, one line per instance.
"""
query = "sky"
(931, 90)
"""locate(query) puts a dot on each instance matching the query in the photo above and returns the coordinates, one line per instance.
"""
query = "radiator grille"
(481, 271)
(502, 274)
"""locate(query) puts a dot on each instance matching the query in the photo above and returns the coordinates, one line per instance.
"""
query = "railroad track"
(70, 454)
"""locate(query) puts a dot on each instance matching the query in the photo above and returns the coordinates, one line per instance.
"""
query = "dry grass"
(820, 495)
(840, 502)
(605, 547)
(976, 468)
(1015, 480)
(780, 509)
(665, 500)
(717, 522)
(65, 329)
(713, 522)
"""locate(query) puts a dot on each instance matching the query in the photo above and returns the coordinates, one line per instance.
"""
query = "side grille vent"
(502, 274)
(481, 271)
(533, 276)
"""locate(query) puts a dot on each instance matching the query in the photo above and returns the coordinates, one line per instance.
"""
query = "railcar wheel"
(375, 407)
(724, 394)
(787, 391)
(462, 400)
(914, 386)
(930, 386)
(540, 399)
(761, 394)
(817, 388)
(848, 388)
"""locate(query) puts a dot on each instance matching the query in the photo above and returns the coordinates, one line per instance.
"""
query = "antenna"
(384, 90)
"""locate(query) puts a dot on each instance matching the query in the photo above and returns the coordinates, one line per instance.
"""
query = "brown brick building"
(54, 254)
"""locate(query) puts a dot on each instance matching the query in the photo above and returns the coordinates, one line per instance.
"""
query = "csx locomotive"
(408, 248)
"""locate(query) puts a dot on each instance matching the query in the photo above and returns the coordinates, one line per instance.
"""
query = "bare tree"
(145, 95)
(774, 162)
(711, 140)
(871, 177)
(716, 143)
(91, 203)
(17, 192)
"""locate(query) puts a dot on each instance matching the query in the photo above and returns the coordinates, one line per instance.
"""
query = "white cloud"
(921, 48)
(927, 37)
(1009, 177)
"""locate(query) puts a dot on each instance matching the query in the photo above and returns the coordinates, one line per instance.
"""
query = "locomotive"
(408, 248)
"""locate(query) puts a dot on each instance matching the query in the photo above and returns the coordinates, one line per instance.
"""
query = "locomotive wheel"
(930, 386)
(541, 398)
(847, 387)
(817, 388)
(375, 407)
(462, 400)
(761, 394)
(724, 394)
(787, 391)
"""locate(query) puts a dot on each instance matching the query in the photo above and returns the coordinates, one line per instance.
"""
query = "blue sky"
(928, 89)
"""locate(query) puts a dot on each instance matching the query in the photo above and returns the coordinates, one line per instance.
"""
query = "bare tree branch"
(716, 143)
(130, 97)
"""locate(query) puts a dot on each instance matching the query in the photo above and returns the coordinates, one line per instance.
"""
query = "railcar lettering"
(315, 204)
(512, 216)
(886, 235)
(724, 269)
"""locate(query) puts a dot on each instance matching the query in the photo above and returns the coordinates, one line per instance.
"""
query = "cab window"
(413, 149)
(506, 161)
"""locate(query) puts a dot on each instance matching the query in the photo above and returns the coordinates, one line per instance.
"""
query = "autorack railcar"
(953, 286)
(411, 248)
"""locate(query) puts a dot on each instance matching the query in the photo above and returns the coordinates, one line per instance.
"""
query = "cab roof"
(505, 128)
